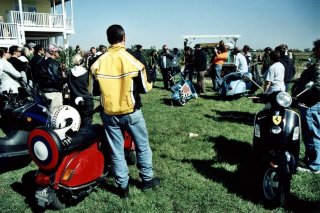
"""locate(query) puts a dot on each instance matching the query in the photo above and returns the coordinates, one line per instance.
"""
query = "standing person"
(309, 111)
(188, 63)
(221, 55)
(49, 77)
(176, 61)
(8, 74)
(94, 88)
(25, 58)
(200, 65)
(247, 55)
(122, 78)
(15, 52)
(92, 55)
(274, 76)
(138, 55)
(165, 62)
(290, 70)
(78, 85)
(38, 54)
(266, 61)
(153, 65)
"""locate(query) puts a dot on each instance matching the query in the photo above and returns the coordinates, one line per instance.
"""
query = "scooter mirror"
(309, 85)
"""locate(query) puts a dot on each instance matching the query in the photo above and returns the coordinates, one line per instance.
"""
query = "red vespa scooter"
(70, 166)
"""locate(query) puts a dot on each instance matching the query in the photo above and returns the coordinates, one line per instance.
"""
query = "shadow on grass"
(234, 117)
(27, 189)
(15, 163)
(235, 153)
(240, 181)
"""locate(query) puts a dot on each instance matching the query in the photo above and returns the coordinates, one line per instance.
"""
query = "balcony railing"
(9, 31)
(43, 20)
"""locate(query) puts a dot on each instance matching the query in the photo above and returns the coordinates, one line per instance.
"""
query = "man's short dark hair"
(275, 56)
(115, 34)
(13, 49)
(37, 48)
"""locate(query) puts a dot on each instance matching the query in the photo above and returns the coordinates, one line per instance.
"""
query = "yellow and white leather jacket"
(121, 78)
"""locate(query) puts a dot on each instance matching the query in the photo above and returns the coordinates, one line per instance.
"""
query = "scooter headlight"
(284, 99)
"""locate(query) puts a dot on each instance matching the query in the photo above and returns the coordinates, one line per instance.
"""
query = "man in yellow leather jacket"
(122, 78)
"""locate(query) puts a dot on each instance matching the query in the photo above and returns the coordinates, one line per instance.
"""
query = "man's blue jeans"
(217, 77)
(310, 121)
(135, 125)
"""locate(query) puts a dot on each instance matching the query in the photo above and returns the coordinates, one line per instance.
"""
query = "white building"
(42, 22)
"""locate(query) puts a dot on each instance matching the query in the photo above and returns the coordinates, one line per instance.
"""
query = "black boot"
(123, 192)
(150, 184)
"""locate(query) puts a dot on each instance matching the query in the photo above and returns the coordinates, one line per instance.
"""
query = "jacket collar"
(116, 46)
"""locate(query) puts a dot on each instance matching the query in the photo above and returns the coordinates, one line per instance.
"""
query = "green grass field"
(208, 173)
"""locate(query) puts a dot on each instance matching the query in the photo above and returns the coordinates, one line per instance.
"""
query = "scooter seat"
(47, 150)
(85, 137)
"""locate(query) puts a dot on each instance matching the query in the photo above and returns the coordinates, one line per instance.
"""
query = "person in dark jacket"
(288, 64)
(15, 52)
(81, 98)
(309, 112)
(200, 65)
(38, 54)
(165, 63)
(50, 78)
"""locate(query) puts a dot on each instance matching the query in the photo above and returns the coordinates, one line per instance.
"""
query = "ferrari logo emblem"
(276, 119)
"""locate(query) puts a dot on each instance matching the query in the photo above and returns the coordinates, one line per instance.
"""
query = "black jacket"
(48, 75)
(312, 96)
(290, 70)
(200, 60)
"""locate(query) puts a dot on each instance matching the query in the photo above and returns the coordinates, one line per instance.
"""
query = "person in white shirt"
(274, 76)
(8, 74)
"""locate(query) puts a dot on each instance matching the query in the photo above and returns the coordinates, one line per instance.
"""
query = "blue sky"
(260, 23)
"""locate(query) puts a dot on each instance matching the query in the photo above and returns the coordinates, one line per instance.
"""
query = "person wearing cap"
(31, 49)
(49, 77)
(81, 99)
(122, 79)
(200, 65)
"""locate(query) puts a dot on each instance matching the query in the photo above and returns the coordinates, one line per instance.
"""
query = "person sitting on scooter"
(241, 68)
(122, 78)
(274, 76)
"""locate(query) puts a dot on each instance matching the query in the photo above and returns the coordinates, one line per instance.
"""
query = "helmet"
(63, 119)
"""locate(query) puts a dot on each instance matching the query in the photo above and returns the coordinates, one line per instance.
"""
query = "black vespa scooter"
(276, 145)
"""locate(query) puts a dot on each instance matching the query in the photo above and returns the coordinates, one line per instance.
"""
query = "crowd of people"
(119, 76)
